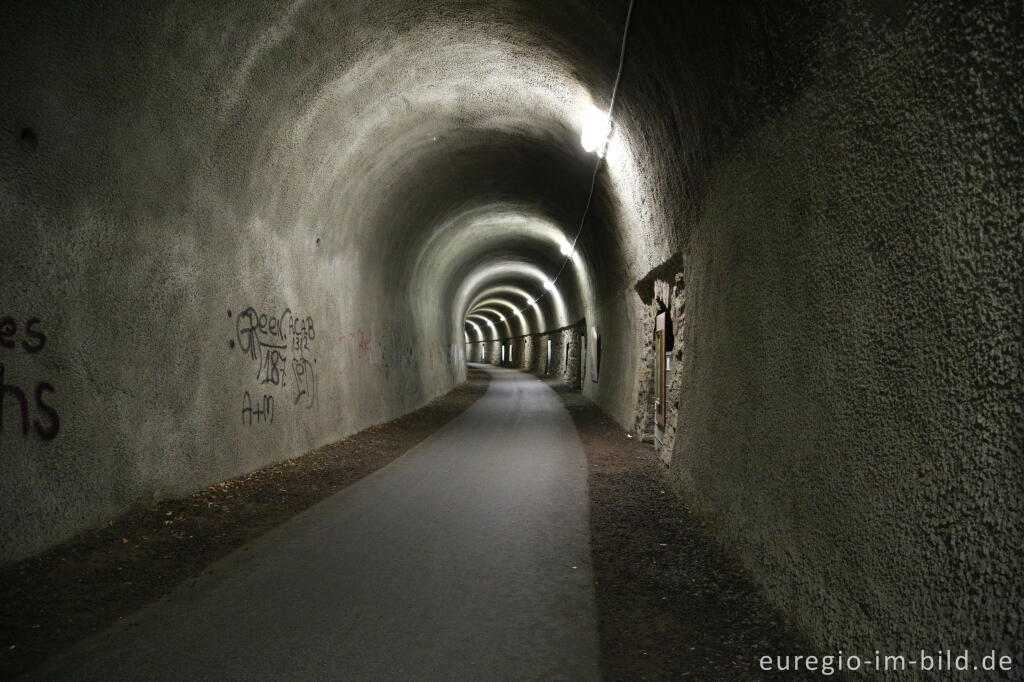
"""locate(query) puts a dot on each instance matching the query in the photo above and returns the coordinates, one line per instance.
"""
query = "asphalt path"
(465, 559)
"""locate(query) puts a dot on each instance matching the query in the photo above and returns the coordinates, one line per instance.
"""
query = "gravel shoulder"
(671, 603)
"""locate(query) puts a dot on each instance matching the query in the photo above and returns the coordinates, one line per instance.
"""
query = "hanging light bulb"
(596, 127)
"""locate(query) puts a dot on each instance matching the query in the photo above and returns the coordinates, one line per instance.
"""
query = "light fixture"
(548, 285)
(565, 248)
(596, 127)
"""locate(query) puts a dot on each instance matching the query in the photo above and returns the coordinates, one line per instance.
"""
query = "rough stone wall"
(572, 361)
(676, 293)
(540, 348)
(850, 419)
(565, 362)
(669, 296)
(644, 424)
(493, 352)
(538, 360)
(565, 355)
(487, 352)
(531, 353)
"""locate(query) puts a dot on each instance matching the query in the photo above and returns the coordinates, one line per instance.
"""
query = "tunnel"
(777, 244)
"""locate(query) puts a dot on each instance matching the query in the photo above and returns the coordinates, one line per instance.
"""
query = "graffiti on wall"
(444, 356)
(259, 411)
(281, 349)
(40, 417)
(361, 341)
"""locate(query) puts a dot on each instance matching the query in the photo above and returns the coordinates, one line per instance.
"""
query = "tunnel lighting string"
(600, 158)
(598, 163)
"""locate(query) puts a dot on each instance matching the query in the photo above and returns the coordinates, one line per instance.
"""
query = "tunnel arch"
(332, 160)
(509, 313)
(832, 176)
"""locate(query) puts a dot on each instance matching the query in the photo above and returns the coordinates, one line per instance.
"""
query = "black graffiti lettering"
(35, 340)
(8, 328)
(255, 331)
(302, 333)
(277, 344)
(258, 412)
(33, 333)
(272, 368)
(262, 411)
(284, 324)
(19, 395)
(305, 380)
(47, 421)
(245, 329)
(50, 431)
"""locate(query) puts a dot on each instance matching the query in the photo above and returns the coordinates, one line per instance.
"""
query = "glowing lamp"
(596, 127)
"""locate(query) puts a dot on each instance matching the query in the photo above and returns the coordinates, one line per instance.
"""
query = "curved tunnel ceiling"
(448, 157)
(838, 181)
(407, 176)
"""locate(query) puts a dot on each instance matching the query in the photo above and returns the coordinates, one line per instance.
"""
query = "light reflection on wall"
(523, 302)
(501, 323)
(509, 311)
(485, 324)
(497, 271)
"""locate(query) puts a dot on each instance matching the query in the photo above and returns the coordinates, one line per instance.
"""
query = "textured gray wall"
(665, 291)
(180, 183)
(842, 181)
(530, 353)
(850, 416)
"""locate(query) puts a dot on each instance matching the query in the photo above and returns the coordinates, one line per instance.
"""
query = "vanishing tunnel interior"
(235, 232)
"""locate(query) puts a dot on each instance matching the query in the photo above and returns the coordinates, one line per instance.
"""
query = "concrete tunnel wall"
(237, 227)
(839, 182)
(530, 353)
(850, 411)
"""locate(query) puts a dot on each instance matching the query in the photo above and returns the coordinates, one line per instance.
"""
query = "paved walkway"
(465, 559)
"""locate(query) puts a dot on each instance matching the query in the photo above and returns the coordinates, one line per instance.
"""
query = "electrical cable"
(600, 156)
